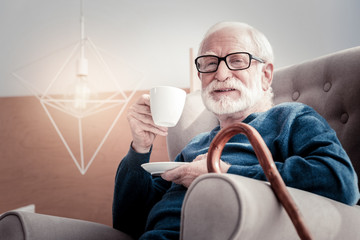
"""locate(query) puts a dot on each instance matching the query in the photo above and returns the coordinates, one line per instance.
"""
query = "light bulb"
(78, 93)
(82, 90)
(82, 93)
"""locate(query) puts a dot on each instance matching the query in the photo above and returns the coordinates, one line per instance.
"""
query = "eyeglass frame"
(251, 57)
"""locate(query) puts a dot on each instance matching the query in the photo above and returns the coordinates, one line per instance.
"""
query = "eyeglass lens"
(236, 61)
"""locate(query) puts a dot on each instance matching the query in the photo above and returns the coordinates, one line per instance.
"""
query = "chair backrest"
(330, 84)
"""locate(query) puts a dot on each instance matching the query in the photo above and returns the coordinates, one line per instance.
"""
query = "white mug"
(166, 104)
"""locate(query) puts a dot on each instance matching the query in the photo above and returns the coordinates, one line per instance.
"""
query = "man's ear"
(199, 75)
(267, 77)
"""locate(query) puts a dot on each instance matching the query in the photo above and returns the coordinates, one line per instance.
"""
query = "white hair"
(261, 43)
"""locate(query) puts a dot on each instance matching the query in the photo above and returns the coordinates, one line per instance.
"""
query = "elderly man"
(235, 65)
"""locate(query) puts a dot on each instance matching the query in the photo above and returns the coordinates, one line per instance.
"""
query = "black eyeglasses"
(234, 61)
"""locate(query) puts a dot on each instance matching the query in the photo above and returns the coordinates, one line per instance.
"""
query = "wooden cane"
(267, 163)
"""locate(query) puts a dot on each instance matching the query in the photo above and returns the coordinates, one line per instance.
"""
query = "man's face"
(226, 91)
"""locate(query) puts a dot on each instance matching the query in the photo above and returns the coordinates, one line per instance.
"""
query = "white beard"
(227, 105)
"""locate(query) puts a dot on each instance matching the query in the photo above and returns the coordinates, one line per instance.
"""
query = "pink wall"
(35, 167)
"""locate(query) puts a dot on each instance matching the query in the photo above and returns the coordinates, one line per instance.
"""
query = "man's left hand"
(186, 174)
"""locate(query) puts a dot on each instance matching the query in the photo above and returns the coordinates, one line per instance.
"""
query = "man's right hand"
(143, 128)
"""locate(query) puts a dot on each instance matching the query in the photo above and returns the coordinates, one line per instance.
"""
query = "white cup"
(166, 104)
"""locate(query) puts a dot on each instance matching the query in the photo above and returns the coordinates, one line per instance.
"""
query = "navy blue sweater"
(306, 150)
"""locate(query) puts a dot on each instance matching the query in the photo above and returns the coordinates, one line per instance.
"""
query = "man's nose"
(223, 72)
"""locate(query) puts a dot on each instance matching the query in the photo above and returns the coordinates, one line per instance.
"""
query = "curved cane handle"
(267, 163)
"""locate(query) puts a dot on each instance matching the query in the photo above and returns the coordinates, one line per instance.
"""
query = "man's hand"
(142, 126)
(186, 174)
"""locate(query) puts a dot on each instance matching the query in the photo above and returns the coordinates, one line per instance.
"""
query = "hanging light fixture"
(79, 91)
(81, 99)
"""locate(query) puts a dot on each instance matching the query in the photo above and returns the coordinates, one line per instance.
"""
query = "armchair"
(225, 206)
(240, 208)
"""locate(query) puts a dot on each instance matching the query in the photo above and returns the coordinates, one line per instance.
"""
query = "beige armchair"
(225, 206)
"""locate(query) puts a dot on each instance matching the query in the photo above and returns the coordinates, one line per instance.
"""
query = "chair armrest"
(227, 206)
(30, 226)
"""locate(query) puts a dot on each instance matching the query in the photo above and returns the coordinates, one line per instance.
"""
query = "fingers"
(224, 167)
(179, 176)
(174, 175)
(141, 112)
(140, 109)
(142, 126)
(201, 157)
(186, 174)
(142, 105)
(144, 122)
(143, 100)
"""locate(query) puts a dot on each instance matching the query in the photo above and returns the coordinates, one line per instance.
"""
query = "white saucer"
(157, 168)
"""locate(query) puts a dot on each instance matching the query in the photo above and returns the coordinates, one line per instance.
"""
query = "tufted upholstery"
(331, 85)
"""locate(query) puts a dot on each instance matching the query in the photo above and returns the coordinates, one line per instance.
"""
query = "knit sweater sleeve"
(309, 156)
(135, 193)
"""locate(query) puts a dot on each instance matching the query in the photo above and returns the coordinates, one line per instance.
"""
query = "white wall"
(154, 36)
